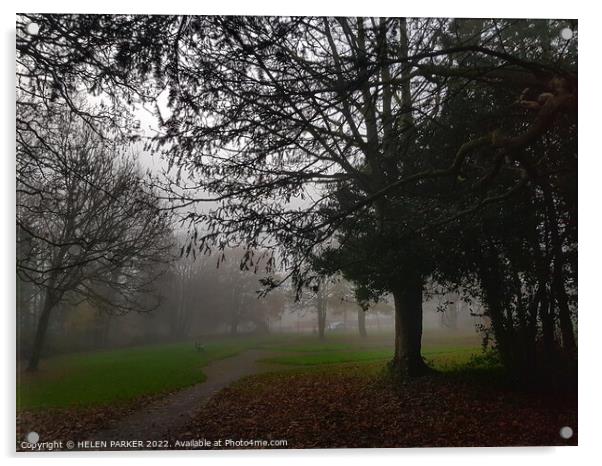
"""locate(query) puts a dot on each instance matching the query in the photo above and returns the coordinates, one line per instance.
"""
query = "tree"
(206, 293)
(502, 241)
(322, 307)
(311, 135)
(93, 231)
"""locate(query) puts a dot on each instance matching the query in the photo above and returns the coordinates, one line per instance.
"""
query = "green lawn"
(103, 377)
(117, 375)
(441, 358)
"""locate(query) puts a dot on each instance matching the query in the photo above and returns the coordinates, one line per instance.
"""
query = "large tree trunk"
(361, 321)
(408, 330)
(50, 301)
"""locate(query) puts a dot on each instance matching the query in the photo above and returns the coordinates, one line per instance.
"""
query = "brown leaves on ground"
(344, 407)
(76, 423)
(347, 409)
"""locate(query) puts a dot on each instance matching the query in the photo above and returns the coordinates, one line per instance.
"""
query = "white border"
(439, 8)
(590, 324)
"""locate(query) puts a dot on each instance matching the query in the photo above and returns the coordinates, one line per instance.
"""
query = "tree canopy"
(393, 150)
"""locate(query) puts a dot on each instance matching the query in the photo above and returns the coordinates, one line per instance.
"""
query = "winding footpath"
(169, 415)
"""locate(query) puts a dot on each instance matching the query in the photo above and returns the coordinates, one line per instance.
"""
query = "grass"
(102, 377)
(329, 357)
(441, 358)
(120, 375)
(452, 358)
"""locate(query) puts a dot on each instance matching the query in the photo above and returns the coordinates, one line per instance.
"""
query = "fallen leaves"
(77, 423)
(343, 410)
(343, 407)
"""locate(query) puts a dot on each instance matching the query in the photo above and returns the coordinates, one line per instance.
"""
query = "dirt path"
(168, 415)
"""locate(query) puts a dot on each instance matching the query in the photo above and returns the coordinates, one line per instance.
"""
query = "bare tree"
(93, 230)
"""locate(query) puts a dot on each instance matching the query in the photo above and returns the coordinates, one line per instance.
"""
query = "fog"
(200, 300)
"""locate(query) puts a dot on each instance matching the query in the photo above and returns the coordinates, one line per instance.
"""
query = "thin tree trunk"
(546, 314)
(321, 326)
(361, 321)
(106, 331)
(531, 332)
(407, 360)
(321, 318)
(50, 301)
(235, 314)
(569, 344)
(322, 308)
(234, 324)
